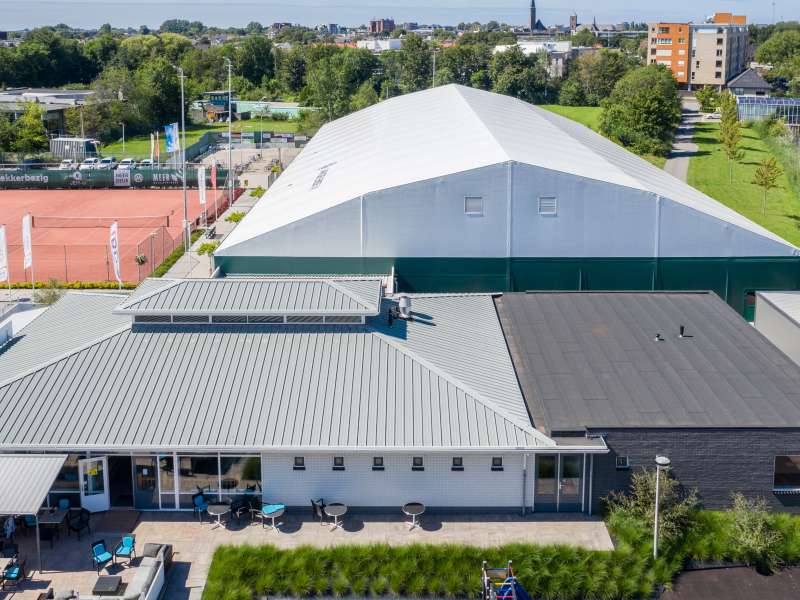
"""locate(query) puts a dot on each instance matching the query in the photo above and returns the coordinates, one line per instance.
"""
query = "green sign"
(100, 178)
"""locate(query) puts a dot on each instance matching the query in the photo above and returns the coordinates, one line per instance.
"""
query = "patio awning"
(25, 480)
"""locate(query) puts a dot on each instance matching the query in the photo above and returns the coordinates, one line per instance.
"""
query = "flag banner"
(201, 184)
(152, 147)
(172, 138)
(3, 255)
(113, 242)
(214, 176)
(27, 246)
(158, 148)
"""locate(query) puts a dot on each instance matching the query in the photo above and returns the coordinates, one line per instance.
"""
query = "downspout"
(524, 481)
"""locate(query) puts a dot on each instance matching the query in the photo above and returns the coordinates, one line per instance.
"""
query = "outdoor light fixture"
(662, 462)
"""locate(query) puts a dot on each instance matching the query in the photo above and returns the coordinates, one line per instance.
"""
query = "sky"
(20, 14)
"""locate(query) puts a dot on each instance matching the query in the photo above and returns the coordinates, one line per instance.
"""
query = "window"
(417, 464)
(719, 41)
(198, 473)
(190, 318)
(623, 463)
(377, 463)
(241, 473)
(497, 463)
(652, 51)
(663, 30)
(458, 464)
(338, 463)
(299, 463)
(719, 64)
(681, 63)
(473, 206)
(682, 52)
(666, 41)
(718, 75)
(719, 52)
(787, 472)
(548, 206)
(681, 40)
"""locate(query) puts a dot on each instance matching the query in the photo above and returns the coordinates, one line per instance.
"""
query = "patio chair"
(10, 550)
(199, 505)
(100, 555)
(30, 522)
(78, 521)
(64, 503)
(126, 548)
(14, 574)
(318, 511)
(240, 506)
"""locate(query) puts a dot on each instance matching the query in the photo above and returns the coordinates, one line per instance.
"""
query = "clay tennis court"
(71, 230)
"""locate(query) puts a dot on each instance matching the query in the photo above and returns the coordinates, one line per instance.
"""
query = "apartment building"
(709, 53)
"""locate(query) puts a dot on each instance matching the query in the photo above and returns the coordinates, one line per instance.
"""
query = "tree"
(30, 134)
(708, 97)
(417, 68)
(730, 130)
(6, 133)
(598, 74)
(643, 110)
(571, 93)
(515, 74)
(463, 61)
(766, 177)
(323, 85)
(255, 59)
(584, 38)
(292, 69)
(779, 48)
(364, 97)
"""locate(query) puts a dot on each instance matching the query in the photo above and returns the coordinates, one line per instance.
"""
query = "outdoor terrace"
(67, 565)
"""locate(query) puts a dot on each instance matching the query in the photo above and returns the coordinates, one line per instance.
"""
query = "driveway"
(683, 148)
(739, 583)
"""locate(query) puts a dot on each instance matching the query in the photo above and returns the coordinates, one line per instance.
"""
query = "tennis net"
(139, 222)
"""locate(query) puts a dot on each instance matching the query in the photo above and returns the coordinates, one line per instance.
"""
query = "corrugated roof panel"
(28, 478)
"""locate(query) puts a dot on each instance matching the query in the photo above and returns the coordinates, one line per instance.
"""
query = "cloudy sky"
(18, 14)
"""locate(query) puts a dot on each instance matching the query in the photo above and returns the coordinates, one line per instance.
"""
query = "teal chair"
(199, 504)
(64, 504)
(14, 574)
(100, 555)
(126, 548)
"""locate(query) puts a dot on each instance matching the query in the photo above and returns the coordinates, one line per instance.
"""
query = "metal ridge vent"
(232, 319)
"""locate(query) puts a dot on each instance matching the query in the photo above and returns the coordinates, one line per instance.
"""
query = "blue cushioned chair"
(100, 555)
(14, 574)
(199, 505)
(126, 548)
(64, 503)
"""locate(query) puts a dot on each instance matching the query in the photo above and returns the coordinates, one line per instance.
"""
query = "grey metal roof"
(590, 360)
(79, 318)
(255, 296)
(27, 479)
(749, 79)
(254, 387)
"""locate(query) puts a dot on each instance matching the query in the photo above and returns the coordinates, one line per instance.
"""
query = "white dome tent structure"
(460, 189)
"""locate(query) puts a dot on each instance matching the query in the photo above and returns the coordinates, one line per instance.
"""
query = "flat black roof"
(590, 360)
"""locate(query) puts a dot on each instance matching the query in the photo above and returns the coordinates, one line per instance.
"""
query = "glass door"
(145, 482)
(570, 485)
(93, 474)
(545, 493)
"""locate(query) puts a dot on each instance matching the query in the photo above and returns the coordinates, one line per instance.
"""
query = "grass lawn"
(590, 117)
(708, 172)
(138, 147)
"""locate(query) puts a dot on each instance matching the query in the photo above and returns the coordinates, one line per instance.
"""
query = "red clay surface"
(81, 254)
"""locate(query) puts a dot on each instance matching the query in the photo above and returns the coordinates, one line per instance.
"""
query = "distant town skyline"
(93, 13)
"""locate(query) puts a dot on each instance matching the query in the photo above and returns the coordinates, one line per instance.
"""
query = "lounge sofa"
(147, 582)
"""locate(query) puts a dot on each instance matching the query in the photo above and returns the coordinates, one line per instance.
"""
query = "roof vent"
(682, 333)
(404, 304)
(658, 338)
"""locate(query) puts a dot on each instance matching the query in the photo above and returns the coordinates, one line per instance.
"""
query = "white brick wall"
(358, 485)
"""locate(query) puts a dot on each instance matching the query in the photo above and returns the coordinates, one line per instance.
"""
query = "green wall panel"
(731, 278)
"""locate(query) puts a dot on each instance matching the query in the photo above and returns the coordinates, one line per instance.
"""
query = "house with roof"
(286, 388)
(467, 190)
(749, 83)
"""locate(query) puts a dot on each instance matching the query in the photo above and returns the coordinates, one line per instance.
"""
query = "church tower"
(533, 16)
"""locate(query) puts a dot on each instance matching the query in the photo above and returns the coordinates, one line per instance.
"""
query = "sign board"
(42, 179)
(122, 178)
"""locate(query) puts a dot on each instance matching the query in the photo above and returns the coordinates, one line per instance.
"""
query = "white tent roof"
(451, 129)
(27, 478)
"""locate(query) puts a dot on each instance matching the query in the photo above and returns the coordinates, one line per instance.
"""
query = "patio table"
(336, 510)
(413, 510)
(217, 510)
(107, 585)
(52, 516)
(272, 511)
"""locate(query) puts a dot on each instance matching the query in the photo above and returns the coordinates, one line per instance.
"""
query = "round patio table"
(413, 510)
(336, 510)
(217, 510)
(277, 511)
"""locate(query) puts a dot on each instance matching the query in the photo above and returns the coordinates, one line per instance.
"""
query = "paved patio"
(67, 565)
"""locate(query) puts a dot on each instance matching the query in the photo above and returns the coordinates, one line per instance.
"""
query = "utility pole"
(186, 233)
(231, 171)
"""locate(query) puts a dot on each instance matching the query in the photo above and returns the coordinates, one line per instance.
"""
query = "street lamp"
(231, 171)
(261, 125)
(662, 462)
(186, 233)
(433, 79)
(123, 136)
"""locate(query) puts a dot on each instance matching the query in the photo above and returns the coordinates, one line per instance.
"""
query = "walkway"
(68, 566)
(683, 148)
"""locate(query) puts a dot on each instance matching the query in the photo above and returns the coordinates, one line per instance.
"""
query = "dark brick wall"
(715, 461)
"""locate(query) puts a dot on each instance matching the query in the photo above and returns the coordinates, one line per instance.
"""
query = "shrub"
(207, 248)
(753, 534)
(258, 192)
(235, 217)
(49, 293)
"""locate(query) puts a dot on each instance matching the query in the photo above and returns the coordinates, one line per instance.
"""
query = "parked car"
(89, 163)
(127, 163)
(68, 165)
(146, 164)
(109, 162)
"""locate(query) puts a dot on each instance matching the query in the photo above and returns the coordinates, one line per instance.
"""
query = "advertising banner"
(172, 138)
(42, 179)
(122, 178)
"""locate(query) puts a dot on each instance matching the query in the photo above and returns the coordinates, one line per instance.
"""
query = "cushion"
(268, 509)
(103, 556)
(11, 572)
(124, 550)
(65, 595)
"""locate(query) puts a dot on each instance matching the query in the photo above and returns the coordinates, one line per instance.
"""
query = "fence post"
(108, 271)
(66, 271)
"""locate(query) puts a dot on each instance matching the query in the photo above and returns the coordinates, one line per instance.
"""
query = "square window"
(377, 463)
(299, 463)
(623, 463)
(417, 464)
(787, 472)
(497, 463)
(548, 206)
(473, 206)
(458, 464)
(338, 463)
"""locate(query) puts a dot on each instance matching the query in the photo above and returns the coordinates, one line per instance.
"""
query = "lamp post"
(261, 126)
(662, 462)
(231, 171)
(123, 136)
(433, 79)
(186, 233)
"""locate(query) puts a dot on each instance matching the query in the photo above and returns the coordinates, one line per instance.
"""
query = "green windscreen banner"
(42, 179)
